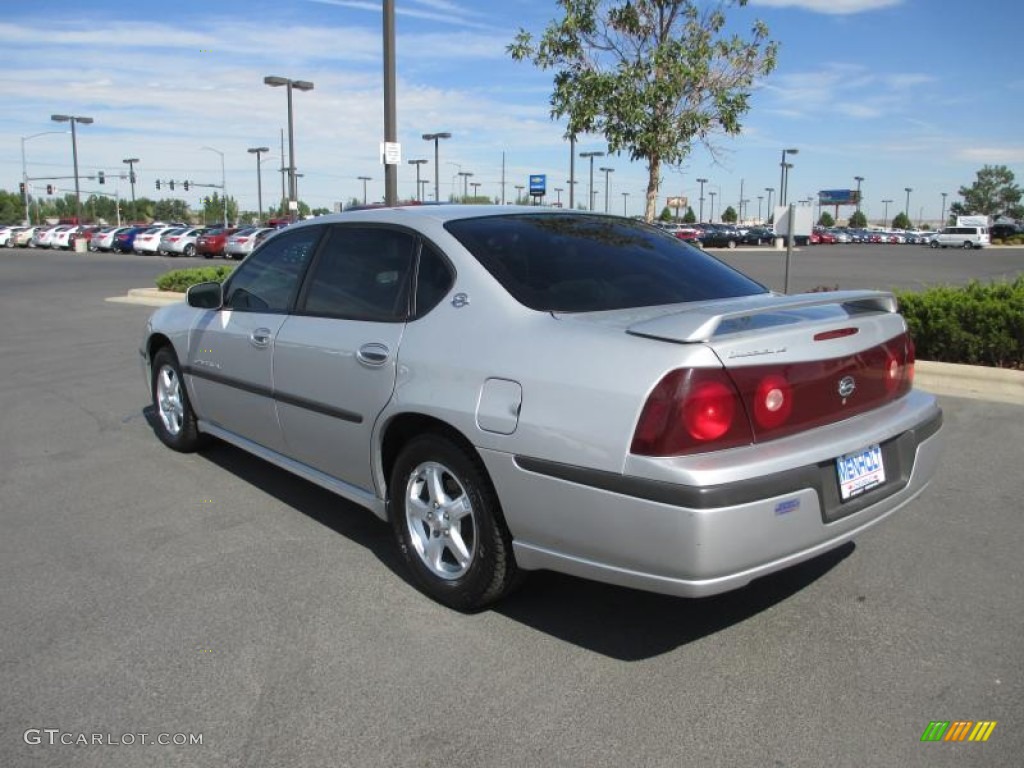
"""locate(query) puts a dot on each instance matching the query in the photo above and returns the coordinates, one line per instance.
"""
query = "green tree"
(170, 209)
(902, 221)
(858, 219)
(651, 76)
(12, 209)
(826, 219)
(689, 217)
(729, 215)
(993, 193)
(666, 214)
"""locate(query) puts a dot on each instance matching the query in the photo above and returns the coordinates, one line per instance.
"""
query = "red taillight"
(691, 411)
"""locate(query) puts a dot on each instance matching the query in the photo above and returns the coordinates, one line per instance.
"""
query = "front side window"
(361, 273)
(269, 279)
(557, 262)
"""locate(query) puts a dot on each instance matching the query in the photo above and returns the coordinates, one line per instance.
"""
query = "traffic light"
(186, 186)
(49, 189)
(158, 183)
(101, 177)
(21, 186)
(171, 184)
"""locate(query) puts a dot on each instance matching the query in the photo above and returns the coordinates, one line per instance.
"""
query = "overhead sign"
(837, 197)
(677, 202)
(538, 184)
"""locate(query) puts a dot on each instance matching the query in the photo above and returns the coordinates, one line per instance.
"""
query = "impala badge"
(847, 385)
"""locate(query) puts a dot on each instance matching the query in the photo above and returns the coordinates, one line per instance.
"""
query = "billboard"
(837, 197)
(538, 184)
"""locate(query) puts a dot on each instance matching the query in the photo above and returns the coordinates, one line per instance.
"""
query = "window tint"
(433, 280)
(268, 280)
(362, 273)
(581, 263)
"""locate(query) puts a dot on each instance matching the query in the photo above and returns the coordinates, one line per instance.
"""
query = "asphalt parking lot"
(145, 591)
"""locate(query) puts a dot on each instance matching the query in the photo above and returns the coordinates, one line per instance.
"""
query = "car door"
(231, 349)
(335, 357)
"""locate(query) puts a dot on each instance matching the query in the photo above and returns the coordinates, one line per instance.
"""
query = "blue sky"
(906, 93)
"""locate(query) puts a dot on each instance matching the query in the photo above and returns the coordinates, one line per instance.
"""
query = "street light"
(74, 154)
(519, 193)
(24, 169)
(702, 182)
(858, 179)
(435, 137)
(759, 199)
(771, 213)
(606, 171)
(906, 210)
(942, 216)
(711, 216)
(130, 162)
(223, 186)
(259, 176)
(785, 174)
(624, 196)
(591, 155)
(465, 183)
(364, 179)
(418, 163)
(476, 188)
(885, 213)
(558, 193)
(303, 85)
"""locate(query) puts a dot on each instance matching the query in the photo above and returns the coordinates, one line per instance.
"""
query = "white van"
(960, 237)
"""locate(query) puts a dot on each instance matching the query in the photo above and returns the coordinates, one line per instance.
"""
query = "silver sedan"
(516, 389)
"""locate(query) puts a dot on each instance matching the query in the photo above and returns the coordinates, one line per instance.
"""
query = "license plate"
(860, 471)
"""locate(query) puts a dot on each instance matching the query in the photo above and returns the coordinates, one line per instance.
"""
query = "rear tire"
(448, 524)
(968, 245)
(190, 251)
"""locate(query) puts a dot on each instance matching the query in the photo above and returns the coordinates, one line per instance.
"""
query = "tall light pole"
(418, 163)
(74, 154)
(942, 216)
(436, 137)
(785, 174)
(421, 183)
(858, 179)
(390, 110)
(465, 183)
(771, 213)
(519, 193)
(558, 194)
(702, 182)
(625, 195)
(223, 185)
(590, 197)
(24, 168)
(130, 162)
(364, 179)
(606, 171)
(906, 211)
(711, 216)
(259, 176)
(759, 199)
(885, 214)
(302, 85)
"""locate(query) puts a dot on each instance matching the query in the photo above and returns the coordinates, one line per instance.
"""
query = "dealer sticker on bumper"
(860, 471)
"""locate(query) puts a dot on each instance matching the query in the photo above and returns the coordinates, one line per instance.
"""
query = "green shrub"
(180, 279)
(997, 241)
(980, 324)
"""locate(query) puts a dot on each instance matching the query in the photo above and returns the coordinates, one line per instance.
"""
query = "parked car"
(1004, 231)
(61, 237)
(148, 241)
(720, 237)
(211, 243)
(22, 238)
(241, 243)
(180, 241)
(519, 388)
(125, 241)
(104, 239)
(961, 237)
(757, 235)
(5, 235)
(44, 236)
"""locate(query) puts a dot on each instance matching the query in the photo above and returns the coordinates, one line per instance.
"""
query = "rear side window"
(433, 280)
(580, 263)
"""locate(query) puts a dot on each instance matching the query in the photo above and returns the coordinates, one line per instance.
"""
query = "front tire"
(448, 524)
(175, 420)
(190, 251)
(968, 245)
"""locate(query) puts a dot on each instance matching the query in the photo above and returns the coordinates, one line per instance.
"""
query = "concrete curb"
(148, 297)
(972, 381)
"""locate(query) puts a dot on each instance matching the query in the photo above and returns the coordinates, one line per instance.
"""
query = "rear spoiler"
(709, 319)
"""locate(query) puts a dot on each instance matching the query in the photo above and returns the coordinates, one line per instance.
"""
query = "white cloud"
(992, 155)
(830, 7)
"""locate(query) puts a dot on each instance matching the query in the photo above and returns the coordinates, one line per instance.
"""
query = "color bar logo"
(958, 730)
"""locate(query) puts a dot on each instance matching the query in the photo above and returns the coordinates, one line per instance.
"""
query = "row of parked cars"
(730, 236)
(166, 240)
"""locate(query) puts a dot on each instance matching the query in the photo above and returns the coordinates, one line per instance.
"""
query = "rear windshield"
(581, 263)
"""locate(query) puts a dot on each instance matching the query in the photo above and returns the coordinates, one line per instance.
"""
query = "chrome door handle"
(260, 337)
(373, 354)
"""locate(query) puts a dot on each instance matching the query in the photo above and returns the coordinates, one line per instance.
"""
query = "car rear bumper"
(698, 541)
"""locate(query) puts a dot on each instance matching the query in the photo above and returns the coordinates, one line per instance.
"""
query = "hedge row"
(980, 324)
(1015, 240)
(180, 279)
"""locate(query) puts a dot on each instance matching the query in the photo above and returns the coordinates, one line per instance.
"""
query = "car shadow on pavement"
(621, 623)
(631, 625)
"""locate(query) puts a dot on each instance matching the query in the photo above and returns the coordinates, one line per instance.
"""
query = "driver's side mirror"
(205, 295)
